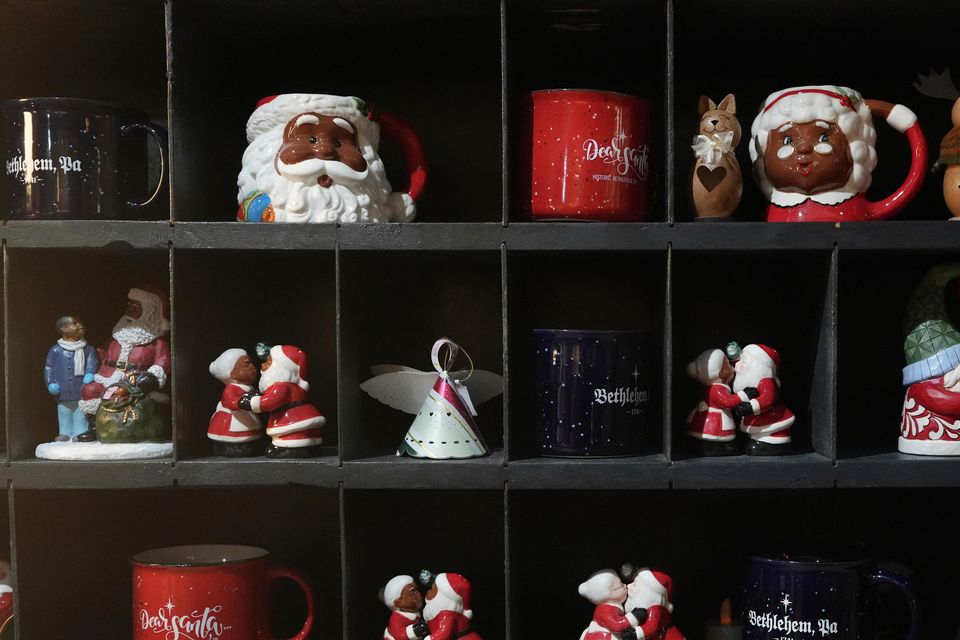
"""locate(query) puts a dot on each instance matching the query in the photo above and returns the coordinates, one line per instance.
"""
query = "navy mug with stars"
(592, 392)
(806, 597)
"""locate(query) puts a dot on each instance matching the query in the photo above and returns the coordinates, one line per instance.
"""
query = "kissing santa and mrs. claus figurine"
(635, 604)
(294, 424)
(445, 614)
(740, 384)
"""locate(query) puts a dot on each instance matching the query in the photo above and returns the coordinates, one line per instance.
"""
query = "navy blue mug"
(592, 392)
(805, 597)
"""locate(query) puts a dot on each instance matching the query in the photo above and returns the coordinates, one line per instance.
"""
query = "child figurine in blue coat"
(70, 364)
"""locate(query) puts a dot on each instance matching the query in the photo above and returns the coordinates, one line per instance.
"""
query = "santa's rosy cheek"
(824, 148)
(785, 151)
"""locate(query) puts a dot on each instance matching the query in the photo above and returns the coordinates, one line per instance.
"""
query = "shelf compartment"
(588, 236)
(584, 291)
(260, 471)
(785, 300)
(895, 469)
(463, 532)
(754, 236)
(422, 236)
(394, 306)
(402, 472)
(800, 471)
(635, 472)
(449, 75)
(101, 545)
(44, 284)
(227, 299)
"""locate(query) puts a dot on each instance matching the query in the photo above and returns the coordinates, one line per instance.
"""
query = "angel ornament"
(445, 425)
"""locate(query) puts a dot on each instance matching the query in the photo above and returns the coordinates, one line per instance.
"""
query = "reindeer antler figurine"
(716, 183)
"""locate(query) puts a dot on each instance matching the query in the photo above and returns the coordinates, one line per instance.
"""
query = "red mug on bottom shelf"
(208, 592)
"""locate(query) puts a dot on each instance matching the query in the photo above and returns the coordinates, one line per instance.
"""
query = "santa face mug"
(813, 151)
(806, 597)
(314, 158)
(208, 592)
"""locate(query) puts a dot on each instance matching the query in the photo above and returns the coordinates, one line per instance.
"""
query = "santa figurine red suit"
(652, 591)
(764, 417)
(447, 609)
(404, 601)
(813, 151)
(711, 421)
(233, 431)
(294, 424)
(610, 621)
(137, 350)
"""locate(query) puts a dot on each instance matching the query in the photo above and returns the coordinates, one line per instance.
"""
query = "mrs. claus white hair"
(802, 107)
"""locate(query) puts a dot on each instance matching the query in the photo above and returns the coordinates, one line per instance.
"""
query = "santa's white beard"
(133, 332)
(751, 377)
(354, 196)
(277, 373)
(440, 602)
(641, 595)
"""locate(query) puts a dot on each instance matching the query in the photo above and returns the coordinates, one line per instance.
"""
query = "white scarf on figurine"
(712, 147)
(80, 358)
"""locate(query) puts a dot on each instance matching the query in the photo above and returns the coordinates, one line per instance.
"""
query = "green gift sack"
(127, 414)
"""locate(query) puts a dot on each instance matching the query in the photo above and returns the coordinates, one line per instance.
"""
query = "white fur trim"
(770, 439)
(312, 423)
(755, 404)
(255, 404)
(89, 407)
(770, 428)
(901, 118)
(929, 447)
(632, 619)
(743, 396)
(279, 111)
(158, 371)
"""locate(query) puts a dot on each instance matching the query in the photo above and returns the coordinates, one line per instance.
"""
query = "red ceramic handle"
(918, 158)
(276, 573)
(405, 136)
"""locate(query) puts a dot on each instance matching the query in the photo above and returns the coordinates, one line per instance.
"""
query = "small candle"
(726, 628)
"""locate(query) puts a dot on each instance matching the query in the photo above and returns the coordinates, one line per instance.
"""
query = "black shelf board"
(800, 471)
(588, 236)
(42, 234)
(636, 472)
(103, 474)
(429, 236)
(402, 472)
(259, 471)
(895, 469)
(900, 235)
(242, 235)
(759, 236)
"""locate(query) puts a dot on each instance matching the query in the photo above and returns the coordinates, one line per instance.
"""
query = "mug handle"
(158, 137)
(402, 134)
(902, 583)
(276, 573)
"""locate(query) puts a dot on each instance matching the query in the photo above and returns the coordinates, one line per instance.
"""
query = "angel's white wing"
(404, 390)
(380, 369)
(483, 385)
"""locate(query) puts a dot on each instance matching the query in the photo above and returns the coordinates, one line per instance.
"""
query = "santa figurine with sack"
(813, 152)
(651, 591)
(447, 609)
(404, 600)
(711, 421)
(137, 353)
(294, 424)
(234, 432)
(610, 621)
(764, 416)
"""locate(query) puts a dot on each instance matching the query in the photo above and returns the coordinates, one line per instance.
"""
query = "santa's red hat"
(765, 353)
(457, 588)
(292, 359)
(659, 583)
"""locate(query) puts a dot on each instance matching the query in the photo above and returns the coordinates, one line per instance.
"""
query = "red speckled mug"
(208, 592)
(591, 156)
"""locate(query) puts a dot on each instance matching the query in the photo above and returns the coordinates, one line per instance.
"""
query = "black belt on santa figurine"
(121, 365)
(292, 405)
